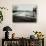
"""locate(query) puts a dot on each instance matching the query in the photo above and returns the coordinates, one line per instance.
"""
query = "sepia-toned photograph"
(24, 13)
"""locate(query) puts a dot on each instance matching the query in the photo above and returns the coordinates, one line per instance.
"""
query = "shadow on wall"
(45, 42)
(0, 42)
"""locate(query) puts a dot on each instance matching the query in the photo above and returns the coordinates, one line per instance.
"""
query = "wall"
(23, 29)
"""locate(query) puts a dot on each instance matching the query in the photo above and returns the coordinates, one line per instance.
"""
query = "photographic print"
(24, 13)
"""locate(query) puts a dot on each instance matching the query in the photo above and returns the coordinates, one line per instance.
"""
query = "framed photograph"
(24, 13)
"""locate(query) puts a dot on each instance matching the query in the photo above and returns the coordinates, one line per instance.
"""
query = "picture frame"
(24, 13)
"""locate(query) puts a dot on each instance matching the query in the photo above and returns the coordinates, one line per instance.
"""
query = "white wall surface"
(23, 29)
